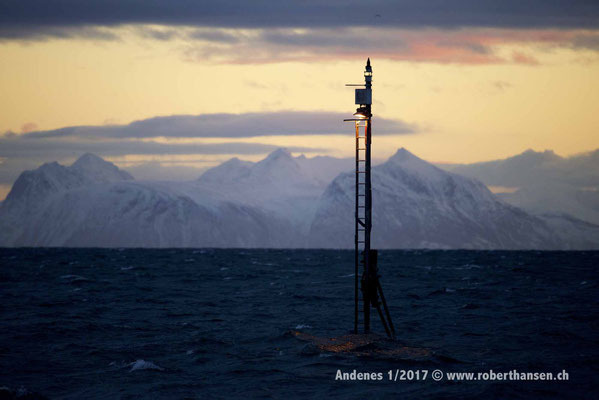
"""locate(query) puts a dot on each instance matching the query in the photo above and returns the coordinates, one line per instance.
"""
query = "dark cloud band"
(284, 123)
(38, 18)
(25, 151)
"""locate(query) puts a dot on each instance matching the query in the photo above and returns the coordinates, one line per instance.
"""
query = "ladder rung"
(361, 206)
(359, 148)
(360, 172)
(361, 183)
(361, 195)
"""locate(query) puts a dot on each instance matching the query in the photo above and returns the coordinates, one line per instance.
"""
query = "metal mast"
(370, 285)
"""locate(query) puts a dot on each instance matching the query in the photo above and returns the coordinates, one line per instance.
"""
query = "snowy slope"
(557, 198)
(34, 187)
(417, 205)
(281, 201)
(544, 182)
(281, 184)
(34, 190)
(228, 172)
(572, 233)
(93, 203)
(131, 214)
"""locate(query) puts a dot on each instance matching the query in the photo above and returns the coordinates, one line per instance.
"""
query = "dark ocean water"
(174, 324)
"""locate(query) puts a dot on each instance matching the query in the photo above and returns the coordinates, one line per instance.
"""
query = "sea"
(221, 323)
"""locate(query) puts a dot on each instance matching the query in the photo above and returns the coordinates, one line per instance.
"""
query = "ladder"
(360, 213)
(372, 290)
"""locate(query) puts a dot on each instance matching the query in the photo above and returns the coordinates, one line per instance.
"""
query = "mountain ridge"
(280, 201)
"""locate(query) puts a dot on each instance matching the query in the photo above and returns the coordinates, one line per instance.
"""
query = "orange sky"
(482, 94)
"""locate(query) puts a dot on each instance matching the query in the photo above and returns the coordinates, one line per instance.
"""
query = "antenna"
(370, 285)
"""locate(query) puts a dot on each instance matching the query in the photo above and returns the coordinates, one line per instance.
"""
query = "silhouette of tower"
(372, 292)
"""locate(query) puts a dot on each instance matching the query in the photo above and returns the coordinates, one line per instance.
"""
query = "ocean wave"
(139, 365)
(74, 278)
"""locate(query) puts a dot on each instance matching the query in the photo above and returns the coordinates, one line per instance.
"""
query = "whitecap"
(143, 364)
(189, 352)
(302, 326)
(74, 278)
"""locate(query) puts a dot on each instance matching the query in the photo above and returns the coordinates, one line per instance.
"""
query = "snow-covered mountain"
(532, 167)
(287, 186)
(543, 182)
(230, 171)
(33, 187)
(551, 197)
(279, 172)
(93, 203)
(280, 201)
(133, 214)
(417, 205)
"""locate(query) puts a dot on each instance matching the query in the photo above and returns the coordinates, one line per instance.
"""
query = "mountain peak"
(547, 155)
(280, 153)
(406, 159)
(98, 169)
(89, 159)
(234, 161)
(231, 170)
(278, 166)
(402, 154)
(50, 166)
(408, 162)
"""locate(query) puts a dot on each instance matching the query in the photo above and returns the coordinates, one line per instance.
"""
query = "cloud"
(502, 85)
(236, 31)
(140, 138)
(28, 127)
(53, 148)
(522, 58)
(463, 46)
(261, 31)
(36, 18)
(8, 31)
(282, 123)
(586, 41)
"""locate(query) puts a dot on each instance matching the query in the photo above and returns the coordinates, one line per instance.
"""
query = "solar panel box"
(363, 96)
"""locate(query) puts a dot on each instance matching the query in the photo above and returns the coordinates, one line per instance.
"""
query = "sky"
(169, 88)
